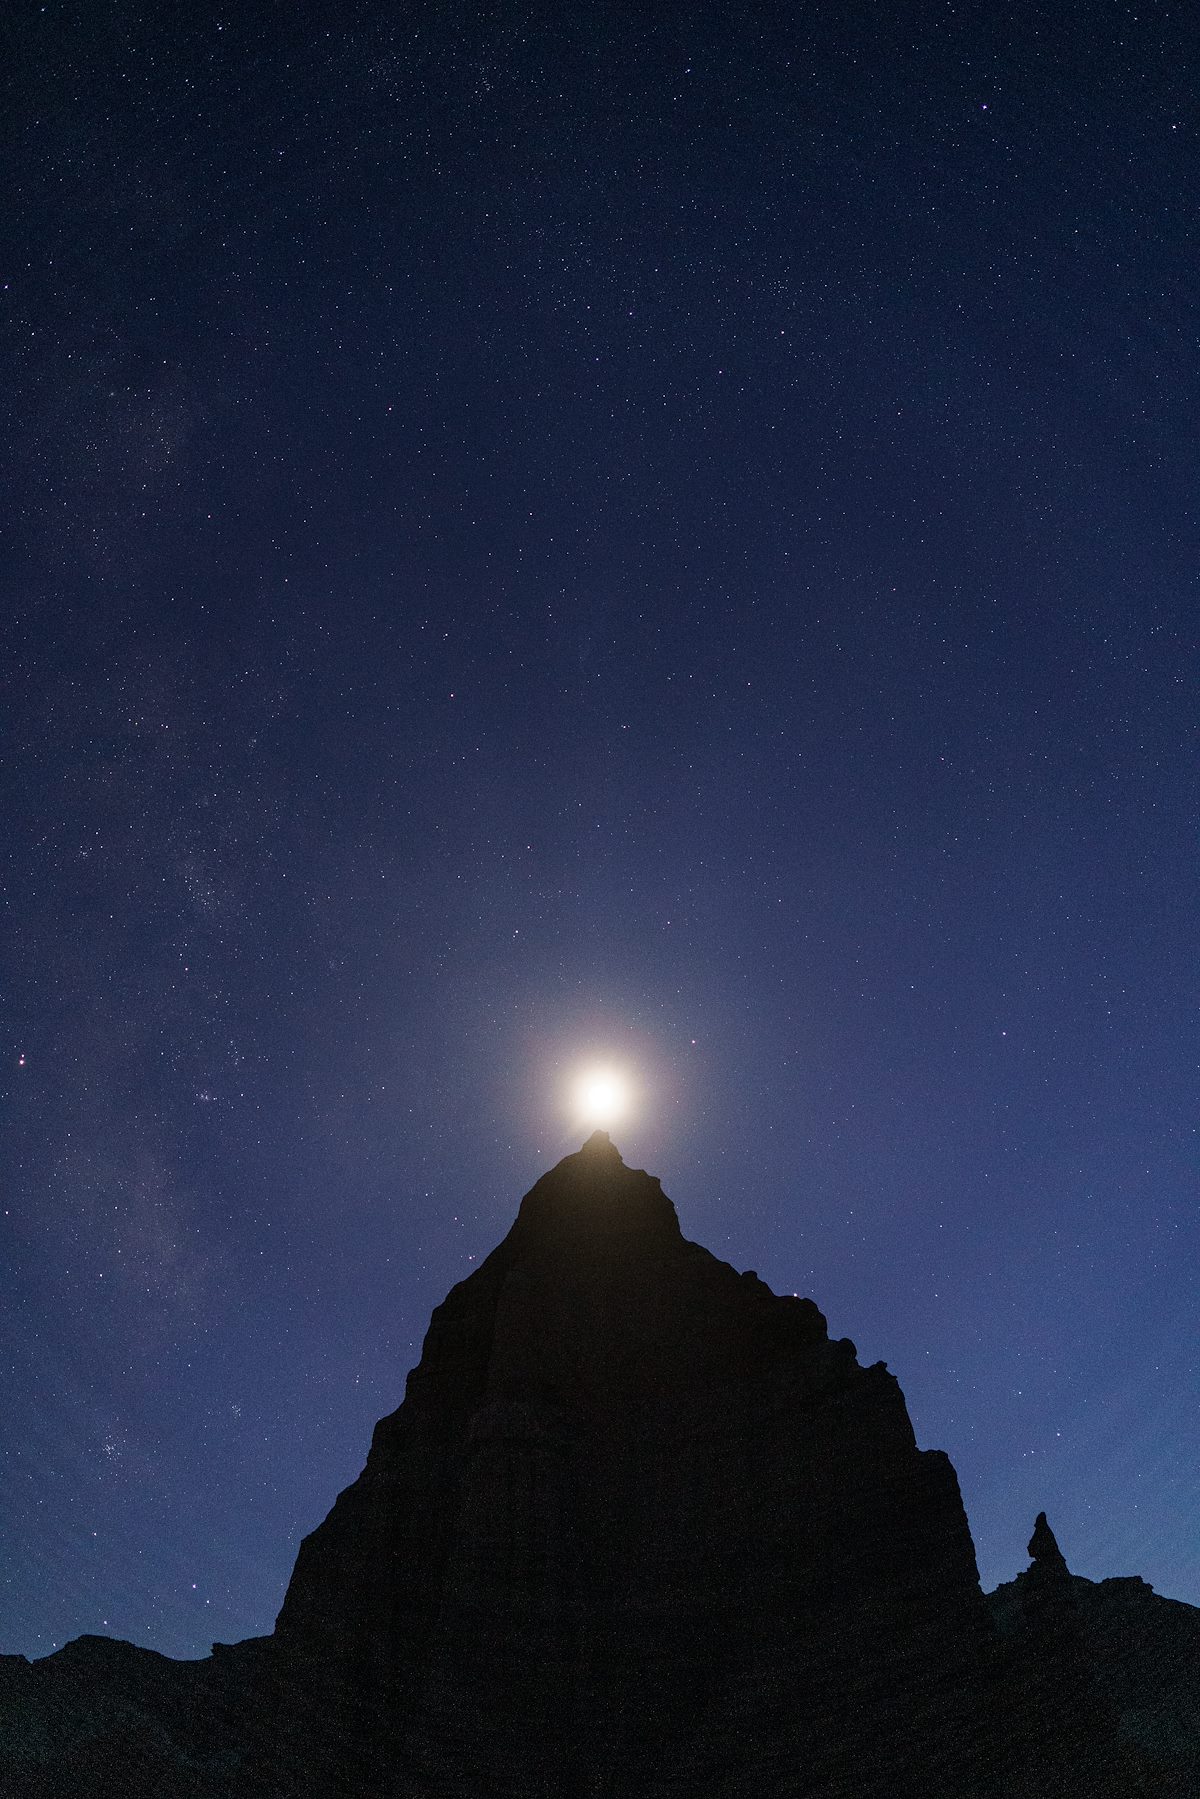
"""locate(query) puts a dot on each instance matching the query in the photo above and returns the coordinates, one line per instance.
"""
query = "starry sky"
(533, 533)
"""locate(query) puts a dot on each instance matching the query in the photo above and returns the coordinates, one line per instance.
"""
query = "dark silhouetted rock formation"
(635, 1513)
(1048, 1562)
(1100, 1680)
(639, 1530)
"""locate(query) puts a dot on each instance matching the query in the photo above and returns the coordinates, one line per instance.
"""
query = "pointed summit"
(1049, 1561)
(629, 1492)
(591, 1204)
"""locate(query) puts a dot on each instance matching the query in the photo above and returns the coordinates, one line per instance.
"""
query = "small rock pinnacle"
(1048, 1558)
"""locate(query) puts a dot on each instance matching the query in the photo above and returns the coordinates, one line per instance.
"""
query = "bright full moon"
(601, 1097)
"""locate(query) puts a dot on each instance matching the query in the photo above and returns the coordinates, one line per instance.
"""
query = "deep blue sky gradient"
(528, 532)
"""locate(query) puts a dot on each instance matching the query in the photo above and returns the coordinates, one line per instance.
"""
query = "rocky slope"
(638, 1530)
(636, 1512)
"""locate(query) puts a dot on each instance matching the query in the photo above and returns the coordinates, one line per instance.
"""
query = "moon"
(601, 1097)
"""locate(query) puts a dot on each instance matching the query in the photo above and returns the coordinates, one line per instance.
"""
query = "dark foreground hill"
(639, 1530)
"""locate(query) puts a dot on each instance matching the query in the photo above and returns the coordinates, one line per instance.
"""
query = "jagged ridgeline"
(639, 1529)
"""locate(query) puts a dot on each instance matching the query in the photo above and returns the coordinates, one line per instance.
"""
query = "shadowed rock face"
(635, 1512)
(1048, 1561)
(1100, 1680)
(639, 1529)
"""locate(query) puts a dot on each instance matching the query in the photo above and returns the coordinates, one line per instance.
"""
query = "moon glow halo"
(601, 1097)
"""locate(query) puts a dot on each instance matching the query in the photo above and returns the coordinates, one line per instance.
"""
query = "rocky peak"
(656, 1489)
(639, 1530)
(591, 1200)
(1049, 1562)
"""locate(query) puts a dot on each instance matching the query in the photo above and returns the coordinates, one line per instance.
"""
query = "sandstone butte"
(639, 1530)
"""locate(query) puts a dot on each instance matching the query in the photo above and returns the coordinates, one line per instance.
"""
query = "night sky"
(539, 532)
